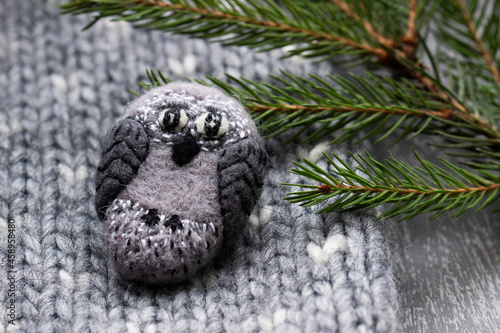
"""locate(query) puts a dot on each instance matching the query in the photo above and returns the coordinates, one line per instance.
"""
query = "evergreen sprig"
(476, 23)
(373, 106)
(384, 105)
(257, 24)
(455, 95)
(410, 190)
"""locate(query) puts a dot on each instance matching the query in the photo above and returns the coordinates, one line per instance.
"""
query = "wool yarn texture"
(179, 175)
(61, 90)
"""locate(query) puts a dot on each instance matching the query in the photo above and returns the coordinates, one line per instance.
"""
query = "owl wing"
(124, 148)
(241, 170)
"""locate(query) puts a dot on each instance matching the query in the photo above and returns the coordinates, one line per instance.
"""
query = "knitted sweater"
(60, 89)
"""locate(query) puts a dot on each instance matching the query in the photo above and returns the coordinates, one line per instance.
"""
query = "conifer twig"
(479, 42)
(410, 38)
(368, 26)
(461, 111)
(442, 114)
(409, 190)
(379, 52)
(368, 106)
(408, 55)
(411, 34)
(325, 188)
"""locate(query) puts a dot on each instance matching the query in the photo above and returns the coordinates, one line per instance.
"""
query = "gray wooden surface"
(449, 275)
(448, 272)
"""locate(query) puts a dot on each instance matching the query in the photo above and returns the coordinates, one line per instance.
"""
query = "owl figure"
(179, 174)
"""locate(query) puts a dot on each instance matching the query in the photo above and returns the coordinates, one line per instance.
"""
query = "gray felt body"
(173, 199)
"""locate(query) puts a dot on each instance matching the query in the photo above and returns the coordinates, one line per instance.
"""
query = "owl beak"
(185, 149)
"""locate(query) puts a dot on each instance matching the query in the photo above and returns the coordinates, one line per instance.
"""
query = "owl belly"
(189, 191)
(166, 224)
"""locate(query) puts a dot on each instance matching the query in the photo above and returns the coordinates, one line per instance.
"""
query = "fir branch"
(265, 25)
(254, 24)
(405, 56)
(460, 35)
(389, 43)
(287, 108)
(410, 39)
(479, 42)
(411, 34)
(416, 190)
(459, 109)
(336, 104)
(384, 106)
(328, 189)
(340, 106)
(463, 108)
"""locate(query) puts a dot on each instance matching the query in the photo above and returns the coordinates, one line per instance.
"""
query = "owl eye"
(212, 125)
(173, 119)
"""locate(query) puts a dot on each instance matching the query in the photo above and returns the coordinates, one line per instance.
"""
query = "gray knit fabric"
(60, 89)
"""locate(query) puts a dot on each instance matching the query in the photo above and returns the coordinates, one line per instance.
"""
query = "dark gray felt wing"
(241, 169)
(124, 148)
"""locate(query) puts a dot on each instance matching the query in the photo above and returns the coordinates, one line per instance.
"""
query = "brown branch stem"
(379, 52)
(407, 54)
(324, 188)
(387, 42)
(461, 111)
(410, 39)
(479, 42)
(443, 114)
(411, 34)
(400, 57)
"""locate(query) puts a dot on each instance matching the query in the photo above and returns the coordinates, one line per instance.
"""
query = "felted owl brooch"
(179, 175)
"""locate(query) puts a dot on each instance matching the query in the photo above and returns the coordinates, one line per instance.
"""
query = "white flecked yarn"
(60, 89)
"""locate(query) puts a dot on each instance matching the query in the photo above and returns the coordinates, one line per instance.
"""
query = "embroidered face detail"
(212, 125)
(210, 121)
(173, 119)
